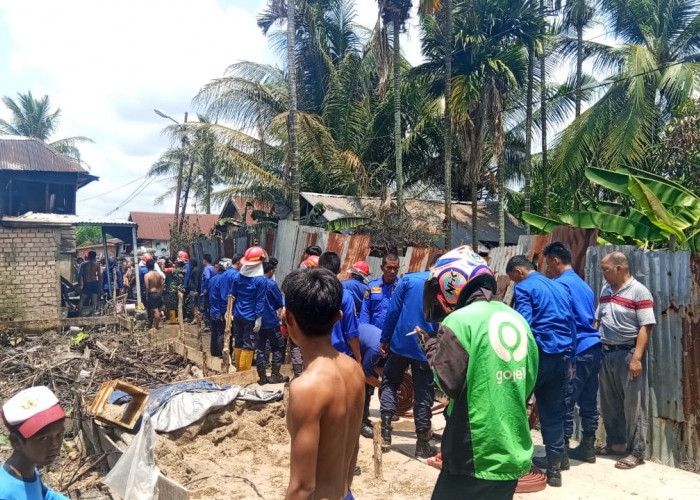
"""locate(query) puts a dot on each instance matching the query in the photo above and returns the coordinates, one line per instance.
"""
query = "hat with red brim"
(254, 256)
(31, 410)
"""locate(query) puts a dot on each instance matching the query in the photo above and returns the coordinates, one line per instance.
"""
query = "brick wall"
(29, 281)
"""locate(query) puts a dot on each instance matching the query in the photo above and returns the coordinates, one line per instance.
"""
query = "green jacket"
(485, 359)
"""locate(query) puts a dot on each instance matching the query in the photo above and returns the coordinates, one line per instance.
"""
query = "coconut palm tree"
(578, 15)
(31, 117)
(657, 69)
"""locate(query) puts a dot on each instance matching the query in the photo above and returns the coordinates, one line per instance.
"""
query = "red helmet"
(312, 261)
(360, 268)
(254, 256)
(183, 255)
(146, 256)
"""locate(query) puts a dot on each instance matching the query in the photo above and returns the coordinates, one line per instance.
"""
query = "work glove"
(258, 324)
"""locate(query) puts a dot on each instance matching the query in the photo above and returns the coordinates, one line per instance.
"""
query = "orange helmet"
(254, 256)
(183, 255)
(360, 268)
(312, 261)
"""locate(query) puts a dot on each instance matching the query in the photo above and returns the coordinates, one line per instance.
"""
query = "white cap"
(31, 410)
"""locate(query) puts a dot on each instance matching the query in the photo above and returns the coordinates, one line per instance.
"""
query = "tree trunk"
(500, 150)
(448, 124)
(180, 171)
(528, 128)
(579, 67)
(188, 184)
(475, 214)
(543, 119)
(397, 114)
(207, 194)
(292, 119)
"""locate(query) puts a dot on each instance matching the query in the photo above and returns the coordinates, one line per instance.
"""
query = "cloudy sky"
(108, 64)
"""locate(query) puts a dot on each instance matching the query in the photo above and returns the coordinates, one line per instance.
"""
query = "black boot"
(585, 452)
(565, 457)
(367, 429)
(423, 447)
(554, 472)
(262, 374)
(386, 427)
(276, 377)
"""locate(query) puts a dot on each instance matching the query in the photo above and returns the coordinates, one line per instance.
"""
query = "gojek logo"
(507, 336)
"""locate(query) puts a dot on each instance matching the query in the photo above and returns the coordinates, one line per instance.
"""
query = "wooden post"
(377, 455)
(180, 321)
(227, 335)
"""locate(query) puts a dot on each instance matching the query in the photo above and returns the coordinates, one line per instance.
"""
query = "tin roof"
(337, 206)
(156, 225)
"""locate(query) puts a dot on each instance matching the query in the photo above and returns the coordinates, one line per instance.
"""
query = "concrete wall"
(31, 261)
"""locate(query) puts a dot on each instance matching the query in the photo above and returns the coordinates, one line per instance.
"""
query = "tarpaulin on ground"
(175, 406)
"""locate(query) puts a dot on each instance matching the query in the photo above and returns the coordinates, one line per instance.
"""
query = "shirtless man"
(89, 283)
(325, 403)
(154, 292)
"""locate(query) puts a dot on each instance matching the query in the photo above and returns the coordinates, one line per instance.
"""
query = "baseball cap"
(30, 410)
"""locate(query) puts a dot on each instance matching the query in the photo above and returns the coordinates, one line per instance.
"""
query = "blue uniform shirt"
(404, 314)
(11, 487)
(369, 348)
(546, 306)
(346, 328)
(207, 273)
(216, 308)
(376, 301)
(105, 283)
(273, 301)
(250, 293)
(188, 270)
(357, 287)
(582, 300)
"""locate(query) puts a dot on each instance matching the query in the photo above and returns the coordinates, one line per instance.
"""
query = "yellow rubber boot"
(173, 320)
(246, 361)
(237, 357)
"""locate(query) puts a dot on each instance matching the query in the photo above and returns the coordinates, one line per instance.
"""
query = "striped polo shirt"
(621, 314)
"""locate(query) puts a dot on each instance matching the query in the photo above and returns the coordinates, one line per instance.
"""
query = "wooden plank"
(215, 365)
(171, 490)
(90, 321)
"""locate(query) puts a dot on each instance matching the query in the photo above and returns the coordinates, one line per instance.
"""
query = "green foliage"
(345, 223)
(88, 235)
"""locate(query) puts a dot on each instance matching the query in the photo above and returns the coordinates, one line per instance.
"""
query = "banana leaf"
(654, 209)
(346, 223)
(544, 224)
(614, 225)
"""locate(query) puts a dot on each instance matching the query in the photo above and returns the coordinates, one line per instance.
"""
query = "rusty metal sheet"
(357, 248)
(673, 360)
(338, 243)
(419, 259)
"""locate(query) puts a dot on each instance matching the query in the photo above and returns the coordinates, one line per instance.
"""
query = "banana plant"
(648, 211)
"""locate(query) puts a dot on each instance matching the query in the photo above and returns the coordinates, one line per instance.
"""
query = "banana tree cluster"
(645, 209)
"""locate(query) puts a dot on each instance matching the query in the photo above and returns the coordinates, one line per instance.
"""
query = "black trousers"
(458, 487)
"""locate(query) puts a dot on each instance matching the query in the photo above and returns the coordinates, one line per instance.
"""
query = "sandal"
(629, 462)
(608, 450)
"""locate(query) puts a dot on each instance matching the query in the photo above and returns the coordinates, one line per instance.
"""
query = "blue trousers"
(550, 391)
(423, 388)
(277, 345)
(583, 390)
(245, 337)
(216, 344)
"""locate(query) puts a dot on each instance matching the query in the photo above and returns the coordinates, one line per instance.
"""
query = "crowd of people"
(450, 327)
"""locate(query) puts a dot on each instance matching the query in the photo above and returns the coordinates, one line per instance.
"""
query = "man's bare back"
(324, 419)
(154, 282)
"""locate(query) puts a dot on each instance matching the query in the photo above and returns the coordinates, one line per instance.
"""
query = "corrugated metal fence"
(673, 349)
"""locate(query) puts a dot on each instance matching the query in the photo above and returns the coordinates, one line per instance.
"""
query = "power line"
(112, 190)
(133, 195)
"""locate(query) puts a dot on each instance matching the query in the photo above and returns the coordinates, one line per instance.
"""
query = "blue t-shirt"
(582, 300)
(346, 328)
(273, 301)
(207, 273)
(216, 308)
(404, 314)
(12, 488)
(188, 270)
(546, 306)
(250, 295)
(109, 280)
(376, 301)
(369, 348)
(357, 287)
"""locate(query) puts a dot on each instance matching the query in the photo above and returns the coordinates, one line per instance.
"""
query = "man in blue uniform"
(270, 329)
(372, 366)
(400, 345)
(207, 273)
(378, 295)
(546, 306)
(249, 288)
(216, 311)
(357, 283)
(583, 387)
(344, 335)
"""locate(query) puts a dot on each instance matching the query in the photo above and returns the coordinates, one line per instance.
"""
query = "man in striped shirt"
(625, 317)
